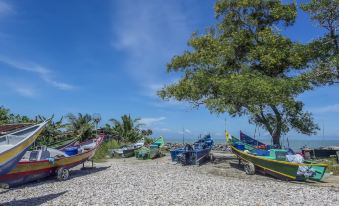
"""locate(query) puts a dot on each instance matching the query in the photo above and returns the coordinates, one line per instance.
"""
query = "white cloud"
(44, 73)
(24, 91)
(5, 8)
(326, 109)
(20, 88)
(151, 32)
(161, 129)
(151, 121)
(185, 131)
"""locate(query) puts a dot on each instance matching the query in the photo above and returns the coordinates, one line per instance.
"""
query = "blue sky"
(109, 57)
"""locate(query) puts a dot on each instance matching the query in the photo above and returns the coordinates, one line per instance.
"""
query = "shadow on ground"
(34, 201)
(73, 174)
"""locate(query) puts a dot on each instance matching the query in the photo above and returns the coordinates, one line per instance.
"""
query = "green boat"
(275, 162)
(151, 152)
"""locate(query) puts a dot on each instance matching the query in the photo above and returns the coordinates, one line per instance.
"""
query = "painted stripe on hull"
(27, 171)
(19, 178)
(237, 152)
(10, 165)
(13, 152)
(286, 169)
(9, 159)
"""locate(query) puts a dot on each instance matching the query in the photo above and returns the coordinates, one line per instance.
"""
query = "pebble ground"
(160, 182)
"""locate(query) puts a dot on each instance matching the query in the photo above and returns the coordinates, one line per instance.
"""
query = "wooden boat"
(277, 162)
(251, 141)
(63, 144)
(14, 145)
(197, 153)
(151, 152)
(45, 162)
(125, 151)
(177, 151)
(321, 152)
(10, 128)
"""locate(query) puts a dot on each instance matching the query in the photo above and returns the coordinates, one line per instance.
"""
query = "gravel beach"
(160, 182)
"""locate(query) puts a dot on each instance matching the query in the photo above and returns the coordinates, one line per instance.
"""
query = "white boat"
(13, 146)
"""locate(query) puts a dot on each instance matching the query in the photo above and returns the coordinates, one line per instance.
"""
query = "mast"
(183, 136)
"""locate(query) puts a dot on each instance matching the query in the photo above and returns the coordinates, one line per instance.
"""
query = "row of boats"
(19, 164)
(140, 151)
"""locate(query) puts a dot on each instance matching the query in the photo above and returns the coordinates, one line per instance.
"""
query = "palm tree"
(81, 126)
(52, 132)
(127, 128)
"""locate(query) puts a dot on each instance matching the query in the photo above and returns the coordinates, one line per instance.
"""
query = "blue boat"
(249, 140)
(194, 154)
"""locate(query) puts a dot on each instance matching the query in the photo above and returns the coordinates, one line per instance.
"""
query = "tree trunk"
(276, 139)
(278, 127)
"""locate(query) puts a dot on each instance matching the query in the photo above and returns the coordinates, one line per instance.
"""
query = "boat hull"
(321, 153)
(9, 158)
(151, 152)
(63, 144)
(280, 169)
(28, 171)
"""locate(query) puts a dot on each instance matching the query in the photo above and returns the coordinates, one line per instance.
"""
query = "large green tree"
(244, 66)
(325, 62)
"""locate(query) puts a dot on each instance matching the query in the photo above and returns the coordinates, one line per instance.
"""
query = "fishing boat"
(14, 145)
(251, 141)
(10, 128)
(43, 162)
(276, 162)
(177, 151)
(60, 145)
(321, 152)
(125, 151)
(195, 154)
(151, 152)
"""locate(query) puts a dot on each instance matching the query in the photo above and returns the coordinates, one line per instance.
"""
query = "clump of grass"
(333, 165)
(102, 152)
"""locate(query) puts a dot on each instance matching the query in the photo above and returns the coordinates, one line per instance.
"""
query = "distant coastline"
(295, 143)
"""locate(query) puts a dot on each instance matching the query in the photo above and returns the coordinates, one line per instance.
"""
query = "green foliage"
(104, 150)
(128, 129)
(148, 140)
(81, 126)
(244, 66)
(52, 133)
(9, 118)
(4, 115)
(325, 64)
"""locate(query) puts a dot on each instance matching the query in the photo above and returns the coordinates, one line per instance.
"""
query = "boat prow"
(14, 145)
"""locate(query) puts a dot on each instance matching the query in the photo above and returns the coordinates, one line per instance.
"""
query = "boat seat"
(44, 155)
(34, 155)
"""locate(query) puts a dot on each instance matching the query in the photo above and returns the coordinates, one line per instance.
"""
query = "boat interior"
(43, 153)
(10, 140)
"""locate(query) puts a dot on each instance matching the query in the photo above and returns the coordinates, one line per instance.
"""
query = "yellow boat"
(13, 146)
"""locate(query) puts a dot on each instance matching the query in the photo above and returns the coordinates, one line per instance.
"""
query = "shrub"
(103, 151)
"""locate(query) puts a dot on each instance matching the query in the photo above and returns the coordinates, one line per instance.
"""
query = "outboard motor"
(185, 158)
